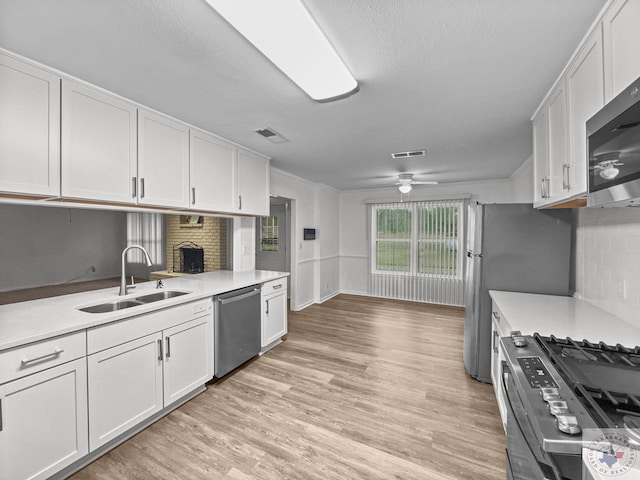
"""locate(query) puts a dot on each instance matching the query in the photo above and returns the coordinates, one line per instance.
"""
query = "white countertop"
(564, 317)
(26, 322)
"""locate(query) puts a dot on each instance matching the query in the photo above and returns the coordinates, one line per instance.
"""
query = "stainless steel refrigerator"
(511, 247)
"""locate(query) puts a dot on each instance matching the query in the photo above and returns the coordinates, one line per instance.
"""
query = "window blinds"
(416, 251)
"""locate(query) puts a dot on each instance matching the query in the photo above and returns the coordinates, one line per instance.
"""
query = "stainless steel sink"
(111, 306)
(155, 297)
(132, 302)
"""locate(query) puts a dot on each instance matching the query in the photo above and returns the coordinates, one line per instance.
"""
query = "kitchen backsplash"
(608, 260)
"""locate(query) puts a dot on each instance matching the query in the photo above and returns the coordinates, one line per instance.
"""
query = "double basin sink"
(132, 302)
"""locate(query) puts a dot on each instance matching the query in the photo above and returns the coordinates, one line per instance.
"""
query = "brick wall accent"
(212, 236)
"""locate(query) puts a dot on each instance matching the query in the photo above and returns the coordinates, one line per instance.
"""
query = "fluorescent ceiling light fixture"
(286, 33)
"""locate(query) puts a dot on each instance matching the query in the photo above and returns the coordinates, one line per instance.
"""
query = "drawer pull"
(55, 353)
(277, 287)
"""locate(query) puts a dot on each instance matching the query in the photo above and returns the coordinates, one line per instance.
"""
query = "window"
(418, 238)
(269, 234)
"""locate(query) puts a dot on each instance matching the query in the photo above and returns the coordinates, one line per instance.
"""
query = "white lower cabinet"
(125, 388)
(131, 381)
(274, 312)
(43, 421)
(499, 329)
(186, 358)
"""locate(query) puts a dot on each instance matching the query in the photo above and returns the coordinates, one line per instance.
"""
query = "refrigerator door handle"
(470, 254)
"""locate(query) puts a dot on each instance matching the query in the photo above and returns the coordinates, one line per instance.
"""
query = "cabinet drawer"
(125, 330)
(274, 286)
(500, 321)
(35, 357)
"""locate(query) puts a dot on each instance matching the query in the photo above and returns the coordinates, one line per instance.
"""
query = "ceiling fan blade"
(430, 182)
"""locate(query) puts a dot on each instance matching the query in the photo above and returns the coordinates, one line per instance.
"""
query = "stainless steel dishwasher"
(236, 328)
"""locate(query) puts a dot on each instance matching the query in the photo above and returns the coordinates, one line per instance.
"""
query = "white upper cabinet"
(621, 30)
(29, 129)
(559, 168)
(163, 161)
(213, 173)
(63, 138)
(98, 145)
(541, 158)
(585, 91)
(253, 183)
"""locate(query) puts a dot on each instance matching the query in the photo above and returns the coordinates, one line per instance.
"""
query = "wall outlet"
(622, 289)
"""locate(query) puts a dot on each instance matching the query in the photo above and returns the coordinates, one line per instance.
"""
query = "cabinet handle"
(542, 195)
(142, 188)
(160, 350)
(495, 341)
(565, 176)
(55, 353)
(134, 183)
(0, 414)
(277, 287)
(193, 195)
(168, 347)
(239, 202)
(496, 315)
(267, 312)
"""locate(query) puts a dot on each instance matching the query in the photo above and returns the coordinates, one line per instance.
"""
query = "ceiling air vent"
(271, 135)
(415, 153)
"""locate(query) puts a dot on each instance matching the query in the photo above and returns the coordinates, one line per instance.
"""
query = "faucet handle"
(133, 284)
(159, 284)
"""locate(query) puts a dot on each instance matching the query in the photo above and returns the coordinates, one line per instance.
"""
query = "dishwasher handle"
(226, 301)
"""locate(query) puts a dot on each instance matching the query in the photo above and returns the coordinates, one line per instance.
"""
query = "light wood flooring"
(363, 388)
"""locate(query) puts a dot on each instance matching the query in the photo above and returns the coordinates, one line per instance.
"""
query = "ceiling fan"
(405, 182)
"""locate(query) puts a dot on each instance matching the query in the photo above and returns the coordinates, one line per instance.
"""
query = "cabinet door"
(585, 91)
(253, 183)
(212, 172)
(163, 161)
(125, 387)
(559, 185)
(621, 40)
(497, 356)
(541, 157)
(274, 317)
(29, 129)
(98, 145)
(188, 355)
(43, 422)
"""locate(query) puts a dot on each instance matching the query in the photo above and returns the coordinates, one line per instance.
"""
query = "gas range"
(564, 394)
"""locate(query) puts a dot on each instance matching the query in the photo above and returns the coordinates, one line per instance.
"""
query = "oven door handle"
(506, 371)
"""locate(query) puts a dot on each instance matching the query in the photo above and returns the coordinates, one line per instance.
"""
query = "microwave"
(613, 145)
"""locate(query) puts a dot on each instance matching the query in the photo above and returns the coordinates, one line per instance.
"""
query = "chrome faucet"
(123, 279)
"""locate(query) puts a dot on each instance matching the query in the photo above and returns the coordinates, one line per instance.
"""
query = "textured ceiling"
(459, 78)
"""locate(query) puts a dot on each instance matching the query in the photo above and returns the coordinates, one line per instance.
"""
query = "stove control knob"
(568, 424)
(558, 407)
(549, 393)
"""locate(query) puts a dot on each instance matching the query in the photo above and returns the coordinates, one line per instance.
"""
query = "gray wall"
(51, 245)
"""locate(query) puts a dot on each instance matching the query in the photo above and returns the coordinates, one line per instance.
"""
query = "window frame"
(414, 240)
(274, 228)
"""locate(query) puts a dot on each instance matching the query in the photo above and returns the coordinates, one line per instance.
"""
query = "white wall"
(522, 183)
(244, 243)
(314, 265)
(608, 260)
(354, 242)
(53, 245)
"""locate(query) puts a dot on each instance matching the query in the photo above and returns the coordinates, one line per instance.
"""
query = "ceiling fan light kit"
(405, 182)
(286, 33)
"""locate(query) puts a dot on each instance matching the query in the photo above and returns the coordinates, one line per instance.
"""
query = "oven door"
(522, 462)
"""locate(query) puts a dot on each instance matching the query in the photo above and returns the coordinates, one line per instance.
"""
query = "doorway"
(273, 238)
